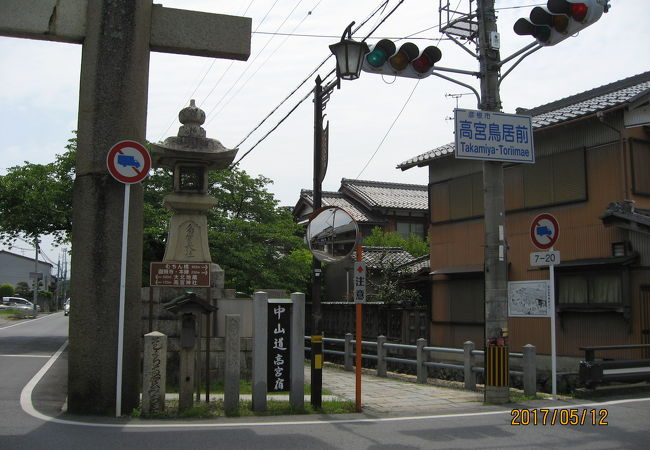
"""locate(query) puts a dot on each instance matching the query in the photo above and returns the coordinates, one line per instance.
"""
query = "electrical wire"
(212, 117)
(389, 129)
(381, 6)
(214, 60)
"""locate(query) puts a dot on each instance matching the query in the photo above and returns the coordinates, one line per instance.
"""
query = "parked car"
(66, 307)
(20, 301)
(17, 304)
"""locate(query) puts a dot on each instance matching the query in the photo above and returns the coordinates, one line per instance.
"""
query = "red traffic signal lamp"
(407, 61)
(560, 19)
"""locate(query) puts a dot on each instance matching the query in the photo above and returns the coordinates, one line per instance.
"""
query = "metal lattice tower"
(454, 22)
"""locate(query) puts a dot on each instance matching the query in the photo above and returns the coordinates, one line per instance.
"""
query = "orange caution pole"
(358, 345)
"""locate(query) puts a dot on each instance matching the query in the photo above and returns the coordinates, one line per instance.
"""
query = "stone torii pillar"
(117, 36)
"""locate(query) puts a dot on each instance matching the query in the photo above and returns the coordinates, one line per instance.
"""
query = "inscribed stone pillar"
(154, 373)
(112, 108)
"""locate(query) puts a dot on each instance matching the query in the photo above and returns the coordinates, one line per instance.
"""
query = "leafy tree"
(389, 286)
(255, 241)
(36, 199)
(23, 290)
(7, 290)
(414, 244)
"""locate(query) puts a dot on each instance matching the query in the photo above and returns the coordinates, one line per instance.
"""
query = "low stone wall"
(170, 325)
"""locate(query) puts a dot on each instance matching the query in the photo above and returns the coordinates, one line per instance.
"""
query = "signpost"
(494, 136)
(128, 162)
(544, 231)
(179, 274)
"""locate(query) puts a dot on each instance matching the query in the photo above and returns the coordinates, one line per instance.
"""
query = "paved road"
(38, 423)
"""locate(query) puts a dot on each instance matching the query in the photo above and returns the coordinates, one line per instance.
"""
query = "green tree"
(36, 199)
(255, 241)
(414, 244)
(7, 290)
(23, 290)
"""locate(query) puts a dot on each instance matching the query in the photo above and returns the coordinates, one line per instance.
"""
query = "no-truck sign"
(128, 162)
(544, 231)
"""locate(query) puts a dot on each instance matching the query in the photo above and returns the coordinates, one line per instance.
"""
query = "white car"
(23, 307)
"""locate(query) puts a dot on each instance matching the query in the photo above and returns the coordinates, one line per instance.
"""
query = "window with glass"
(405, 229)
(593, 288)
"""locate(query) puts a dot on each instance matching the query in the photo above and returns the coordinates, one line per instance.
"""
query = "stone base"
(497, 395)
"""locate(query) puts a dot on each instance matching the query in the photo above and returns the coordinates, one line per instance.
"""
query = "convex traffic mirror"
(332, 234)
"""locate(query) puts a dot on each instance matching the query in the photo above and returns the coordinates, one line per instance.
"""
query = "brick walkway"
(397, 394)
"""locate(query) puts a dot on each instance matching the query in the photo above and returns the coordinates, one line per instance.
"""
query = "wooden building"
(592, 172)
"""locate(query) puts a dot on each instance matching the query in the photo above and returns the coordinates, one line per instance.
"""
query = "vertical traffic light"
(407, 61)
(560, 19)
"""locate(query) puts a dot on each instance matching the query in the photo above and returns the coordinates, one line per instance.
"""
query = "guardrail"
(594, 372)
(422, 360)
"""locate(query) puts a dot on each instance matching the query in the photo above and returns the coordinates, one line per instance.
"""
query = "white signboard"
(550, 258)
(359, 282)
(529, 299)
(494, 136)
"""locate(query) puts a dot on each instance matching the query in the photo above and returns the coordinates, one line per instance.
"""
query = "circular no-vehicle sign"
(128, 162)
(544, 231)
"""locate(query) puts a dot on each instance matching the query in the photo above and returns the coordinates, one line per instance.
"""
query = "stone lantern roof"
(191, 144)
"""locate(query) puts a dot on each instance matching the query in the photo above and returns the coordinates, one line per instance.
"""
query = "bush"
(7, 290)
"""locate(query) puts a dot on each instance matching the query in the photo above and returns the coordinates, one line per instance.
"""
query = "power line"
(389, 129)
(212, 117)
(381, 6)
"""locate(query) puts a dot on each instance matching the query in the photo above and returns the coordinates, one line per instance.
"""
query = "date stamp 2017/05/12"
(573, 416)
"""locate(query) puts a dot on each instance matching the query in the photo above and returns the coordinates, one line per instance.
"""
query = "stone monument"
(190, 156)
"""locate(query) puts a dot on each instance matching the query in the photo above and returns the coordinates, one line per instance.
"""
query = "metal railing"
(422, 361)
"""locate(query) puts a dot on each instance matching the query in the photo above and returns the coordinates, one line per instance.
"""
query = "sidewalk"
(397, 394)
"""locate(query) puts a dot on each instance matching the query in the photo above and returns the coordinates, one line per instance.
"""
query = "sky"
(376, 121)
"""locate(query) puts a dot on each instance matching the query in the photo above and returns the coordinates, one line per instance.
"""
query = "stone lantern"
(190, 156)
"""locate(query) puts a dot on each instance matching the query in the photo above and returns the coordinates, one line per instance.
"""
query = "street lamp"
(349, 55)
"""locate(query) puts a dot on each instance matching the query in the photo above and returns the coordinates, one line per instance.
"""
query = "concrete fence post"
(232, 370)
(297, 394)
(470, 375)
(347, 358)
(260, 329)
(381, 356)
(530, 370)
(421, 358)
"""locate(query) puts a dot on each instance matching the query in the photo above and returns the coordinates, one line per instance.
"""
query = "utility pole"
(496, 265)
(35, 274)
(316, 332)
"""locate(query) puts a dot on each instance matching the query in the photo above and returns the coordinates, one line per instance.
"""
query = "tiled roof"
(626, 211)
(376, 194)
(589, 102)
(416, 265)
(342, 201)
(385, 257)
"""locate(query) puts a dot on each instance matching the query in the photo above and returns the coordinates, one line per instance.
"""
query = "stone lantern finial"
(192, 118)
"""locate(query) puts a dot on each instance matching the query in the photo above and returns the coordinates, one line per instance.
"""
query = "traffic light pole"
(316, 332)
(496, 282)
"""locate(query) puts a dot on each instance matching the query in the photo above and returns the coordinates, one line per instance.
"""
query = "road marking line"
(23, 323)
(28, 407)
(29, 356)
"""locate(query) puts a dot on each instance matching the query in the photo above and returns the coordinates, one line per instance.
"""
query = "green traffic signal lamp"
(380, 53)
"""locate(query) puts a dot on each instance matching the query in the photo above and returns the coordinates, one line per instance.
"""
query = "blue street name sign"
(494, 136)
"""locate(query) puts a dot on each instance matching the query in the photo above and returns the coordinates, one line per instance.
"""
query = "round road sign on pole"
(544, 231)
(128, 162)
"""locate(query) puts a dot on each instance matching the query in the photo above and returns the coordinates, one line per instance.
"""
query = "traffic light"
(407, 61)
(560, 19)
